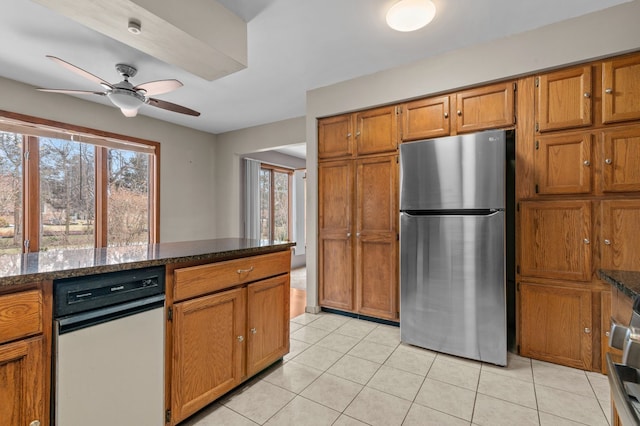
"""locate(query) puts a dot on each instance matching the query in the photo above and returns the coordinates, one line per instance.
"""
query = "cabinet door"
(377, 237)
(267, 322)
(564, 99)
(335, 259)
(22, 383)
(376, 131)
(425, 118)
(208, 348)
(621, 87)
(335, 137)
(605, 327)
(556, 239)
(555, 324)
(487, 107)
(620, 231)
(620, 171)
(563, 164)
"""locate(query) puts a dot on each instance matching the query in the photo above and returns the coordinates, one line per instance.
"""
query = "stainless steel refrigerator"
(452, 245)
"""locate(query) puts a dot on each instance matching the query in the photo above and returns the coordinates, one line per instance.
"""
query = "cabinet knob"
(240, 338)
(459, 113)
(607, 242)
(587, 330)
(606, 333)
(348, 135)
(587, 163)
(348, 234)
(608, 161)
(358, 234)
(608, 90)
(357, 133)
(35, 423)
(253, 331)
(446, 115)
(586, 241)
(244, 271)
(587, 94)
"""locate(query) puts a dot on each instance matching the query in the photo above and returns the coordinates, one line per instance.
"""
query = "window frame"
(34, 127)
(289, 172)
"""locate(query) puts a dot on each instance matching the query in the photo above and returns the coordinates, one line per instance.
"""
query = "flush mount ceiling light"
(410, 15)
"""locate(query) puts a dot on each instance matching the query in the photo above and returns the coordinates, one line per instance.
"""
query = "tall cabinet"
(578, 205)
(358, 213)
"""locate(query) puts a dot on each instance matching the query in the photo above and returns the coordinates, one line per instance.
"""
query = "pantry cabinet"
(555, 239)
(621, 89)
(621, 153)
(564, 99)
(486, 107)
(229, 321)
(556, 323)
(563, 164)
(426, 118)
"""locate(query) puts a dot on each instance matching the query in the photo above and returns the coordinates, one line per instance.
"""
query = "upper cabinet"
(335, 137)
(376, 131)
(564, 99)
(486, 107)
(426, 118)
(621, 89)
(621, 153)
(563, 164)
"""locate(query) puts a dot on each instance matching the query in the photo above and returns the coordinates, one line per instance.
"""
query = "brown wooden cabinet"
(230, 321)
(376, 131)
(376, 261)
(267, 322)
(621, 89)
(22, 359)
(563, 164)
(335, 249)
(564, 99)
(621, 153)
(486, 107)
(426, 118)
(555, 239)
(620, 231)
(208, 350)
(335, 137)
(555, 323)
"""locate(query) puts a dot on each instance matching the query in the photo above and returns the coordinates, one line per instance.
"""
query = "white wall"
(187, 193)
(230, 147)
(604, 33)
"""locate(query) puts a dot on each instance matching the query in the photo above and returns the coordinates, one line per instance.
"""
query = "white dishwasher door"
(112, 373)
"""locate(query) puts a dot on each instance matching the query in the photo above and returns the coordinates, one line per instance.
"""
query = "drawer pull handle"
(608, 91)
(244, 271)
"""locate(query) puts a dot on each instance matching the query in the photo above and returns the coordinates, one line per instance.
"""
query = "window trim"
(33, 127)
(273, 168)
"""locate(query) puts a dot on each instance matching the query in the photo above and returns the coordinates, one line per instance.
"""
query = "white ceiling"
(293, 46)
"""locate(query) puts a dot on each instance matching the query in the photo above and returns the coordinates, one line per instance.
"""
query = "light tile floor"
(345, 372)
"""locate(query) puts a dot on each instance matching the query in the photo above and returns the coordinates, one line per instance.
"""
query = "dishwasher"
(108, 349)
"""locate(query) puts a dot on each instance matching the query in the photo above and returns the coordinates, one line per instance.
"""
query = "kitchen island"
(226, 318)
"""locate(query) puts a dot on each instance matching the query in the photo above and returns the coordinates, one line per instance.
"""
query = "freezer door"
(452, 285)
(453, 173)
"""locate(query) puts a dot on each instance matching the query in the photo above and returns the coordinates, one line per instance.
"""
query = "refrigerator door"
(452, 277)
(454, 173)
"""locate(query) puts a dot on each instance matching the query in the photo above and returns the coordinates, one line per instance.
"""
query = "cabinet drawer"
(20, 315)
(198, 280)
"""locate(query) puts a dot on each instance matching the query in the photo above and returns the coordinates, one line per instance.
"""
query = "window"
(275, 203)
(63, 187)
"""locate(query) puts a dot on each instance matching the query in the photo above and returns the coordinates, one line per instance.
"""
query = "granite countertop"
(627, 282)
(48, 265)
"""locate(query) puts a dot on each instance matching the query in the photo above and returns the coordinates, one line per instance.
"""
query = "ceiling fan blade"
(159, 87)
(72, 92)
(172, 107)
(80, 71)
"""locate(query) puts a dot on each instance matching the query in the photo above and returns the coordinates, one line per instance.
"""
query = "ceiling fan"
(125, 95)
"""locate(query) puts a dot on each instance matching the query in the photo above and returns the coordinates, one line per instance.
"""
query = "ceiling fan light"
(126, 100)
(129, 112)
(410, 15)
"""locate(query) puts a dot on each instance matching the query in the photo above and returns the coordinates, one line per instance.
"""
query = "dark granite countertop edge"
(628, 282)
(217, 256)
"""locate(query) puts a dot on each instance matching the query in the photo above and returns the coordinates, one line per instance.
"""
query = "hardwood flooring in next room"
(344, 371)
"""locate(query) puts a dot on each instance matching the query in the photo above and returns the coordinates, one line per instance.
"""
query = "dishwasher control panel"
(80, 294)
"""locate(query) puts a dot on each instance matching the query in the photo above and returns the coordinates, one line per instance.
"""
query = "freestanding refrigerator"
(452, 245)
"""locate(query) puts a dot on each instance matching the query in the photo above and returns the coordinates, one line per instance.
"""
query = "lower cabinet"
(233, 324)
(555, 324)
(22, 383)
